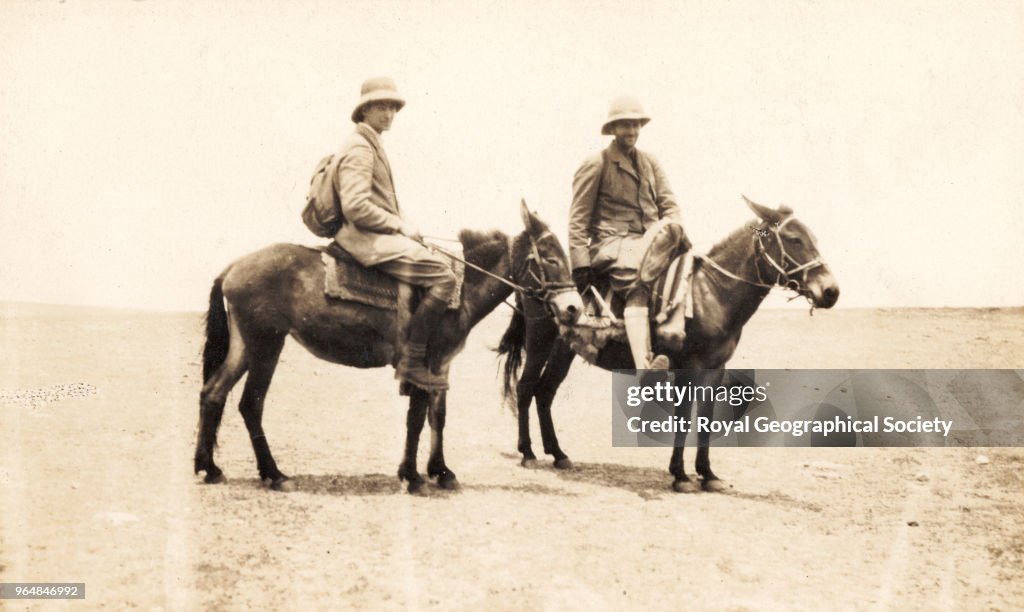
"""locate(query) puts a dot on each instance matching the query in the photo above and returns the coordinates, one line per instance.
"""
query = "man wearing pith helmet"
(376, 233)
(623, 208)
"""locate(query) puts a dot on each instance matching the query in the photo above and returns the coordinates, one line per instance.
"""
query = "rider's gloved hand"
(583, 277)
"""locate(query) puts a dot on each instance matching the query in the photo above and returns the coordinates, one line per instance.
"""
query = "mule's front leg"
(524, 397)
(413, 427)
(536, 357)
(710, 482)
(436, 467)
(554, 373)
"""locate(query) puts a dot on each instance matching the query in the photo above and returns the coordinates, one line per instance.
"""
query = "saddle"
(347, 279)
(603, 308)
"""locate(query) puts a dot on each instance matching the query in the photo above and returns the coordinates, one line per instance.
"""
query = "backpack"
(322, 214)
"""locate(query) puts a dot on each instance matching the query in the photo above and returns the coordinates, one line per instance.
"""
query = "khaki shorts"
(652, 251)
(422, 268)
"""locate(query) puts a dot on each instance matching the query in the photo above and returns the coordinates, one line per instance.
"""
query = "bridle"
(546, 290)
(786, 267)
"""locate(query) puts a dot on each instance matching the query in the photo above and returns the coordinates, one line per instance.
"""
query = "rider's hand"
(410, 230)
(583, 277)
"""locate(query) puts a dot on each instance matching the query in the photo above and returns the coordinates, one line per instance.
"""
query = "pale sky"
(146, 145)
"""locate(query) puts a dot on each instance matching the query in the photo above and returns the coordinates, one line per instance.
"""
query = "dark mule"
(729, 285)
(278, 291)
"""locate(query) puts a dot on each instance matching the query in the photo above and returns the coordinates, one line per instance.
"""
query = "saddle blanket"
(347, 279)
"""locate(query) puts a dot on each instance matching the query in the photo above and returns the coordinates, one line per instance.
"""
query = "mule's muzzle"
(829, 297)
(824, 290)
(567, 305)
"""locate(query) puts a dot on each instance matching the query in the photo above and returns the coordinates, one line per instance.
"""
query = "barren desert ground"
(98, 422)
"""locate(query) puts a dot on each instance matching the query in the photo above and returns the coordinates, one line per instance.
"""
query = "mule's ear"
(763, 212)
(530, 221)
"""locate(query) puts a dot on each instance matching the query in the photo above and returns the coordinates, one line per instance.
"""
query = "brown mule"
(268, 295)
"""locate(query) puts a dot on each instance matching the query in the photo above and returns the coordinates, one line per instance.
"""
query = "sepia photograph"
(385, 305)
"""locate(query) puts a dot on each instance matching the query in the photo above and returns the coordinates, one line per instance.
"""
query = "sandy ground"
(99, 419)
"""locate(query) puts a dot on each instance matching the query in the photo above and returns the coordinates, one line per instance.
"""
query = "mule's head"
(789, 255)
(544, 270)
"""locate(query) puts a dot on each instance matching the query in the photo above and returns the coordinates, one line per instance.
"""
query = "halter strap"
(784, 274)
(714, 264)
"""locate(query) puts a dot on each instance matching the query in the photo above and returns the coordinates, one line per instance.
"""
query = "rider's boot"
(638, 331)
(412, 367)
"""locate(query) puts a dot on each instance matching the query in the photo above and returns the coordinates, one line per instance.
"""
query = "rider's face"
(627, 132)
(379, 115)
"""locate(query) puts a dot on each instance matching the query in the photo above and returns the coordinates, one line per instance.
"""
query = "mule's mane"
(733, 238)
(737, 235)
(483, 248)
(472, 239)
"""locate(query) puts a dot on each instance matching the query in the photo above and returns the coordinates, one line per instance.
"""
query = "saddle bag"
(322, 213)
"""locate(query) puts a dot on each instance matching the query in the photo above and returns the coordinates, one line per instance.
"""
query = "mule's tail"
(511, 346)
(217, 336)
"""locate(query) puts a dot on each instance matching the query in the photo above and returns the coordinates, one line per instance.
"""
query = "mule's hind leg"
(554, 373)
(263, 356)
(682, 482)
(418, 399)
(211, 404)
(436, 467)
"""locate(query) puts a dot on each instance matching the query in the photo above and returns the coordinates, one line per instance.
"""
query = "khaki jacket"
(613, 205)
(368, 201)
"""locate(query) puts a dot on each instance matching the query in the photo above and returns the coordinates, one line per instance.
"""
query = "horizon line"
(142, 309)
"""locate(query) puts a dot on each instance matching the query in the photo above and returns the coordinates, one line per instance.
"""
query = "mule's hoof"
(530, 464)
(215, 479)
(415, 487)
(448, 483)
(283, 485)
(714, 486)
(564, 463)
(685, 486)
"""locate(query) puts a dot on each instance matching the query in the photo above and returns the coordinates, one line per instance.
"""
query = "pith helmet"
(376, 90)
(624, 107)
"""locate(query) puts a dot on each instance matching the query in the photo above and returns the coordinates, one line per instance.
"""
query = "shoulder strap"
(600, 182)
(604, 166)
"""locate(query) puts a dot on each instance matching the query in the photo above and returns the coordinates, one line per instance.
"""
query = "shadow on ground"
(348, 484)
(653, 483)
(648, 483)
(339, 485)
